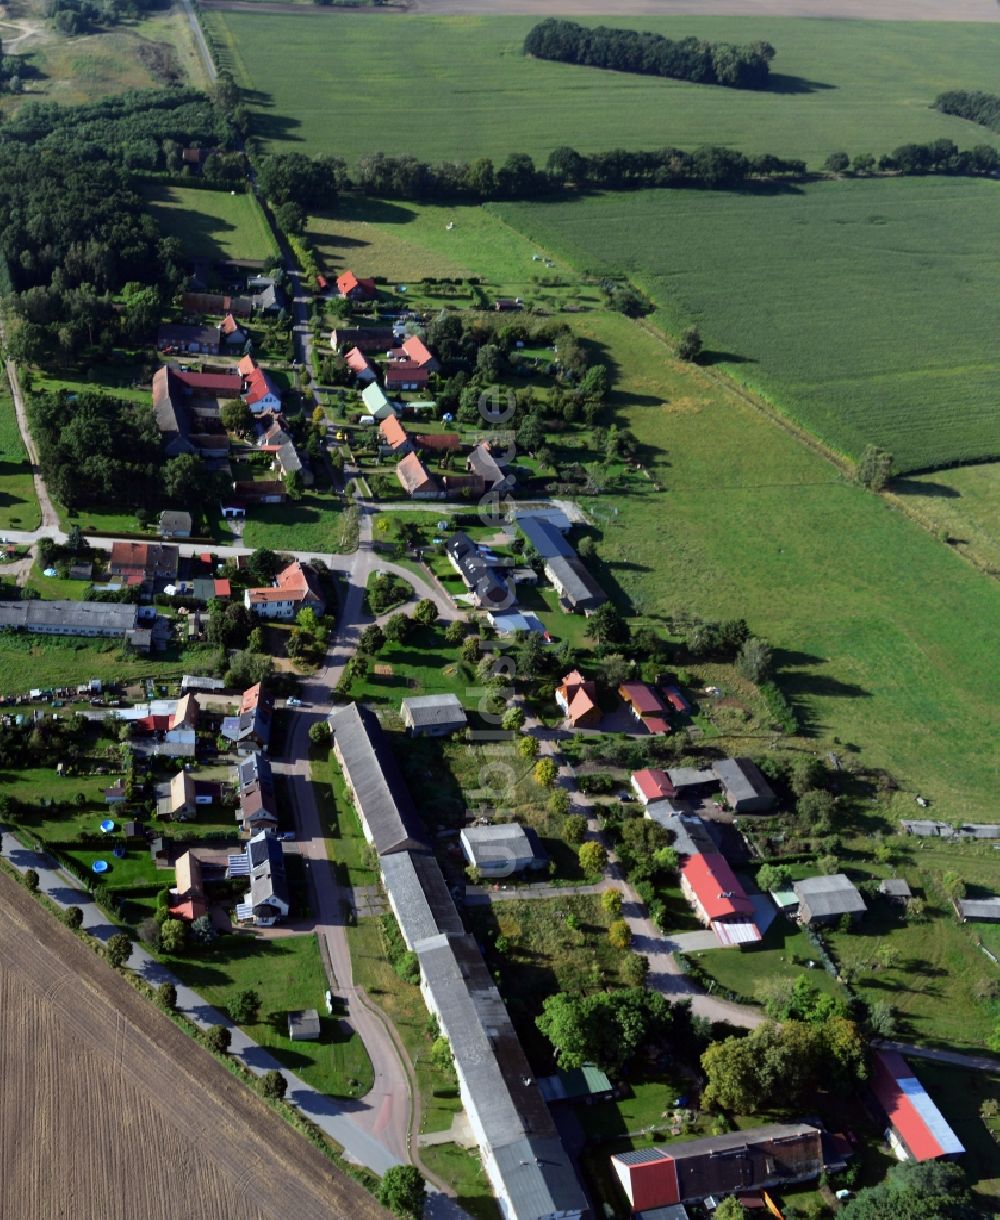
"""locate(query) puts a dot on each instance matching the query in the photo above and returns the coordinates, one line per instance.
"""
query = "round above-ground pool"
(107, 826)
(99, 866)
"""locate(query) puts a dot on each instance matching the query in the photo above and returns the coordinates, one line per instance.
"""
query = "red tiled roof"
(129, 555)
(220, 383)
(716, 887)
(412, 473)
(259, 385)
(392, 431)
(448, 441)
(643, 698)
(223, 588)
(347, 281)
(403, 372)
(357, 361)
(246, 366)
(229, 325)
(654, 784)
(190, 908)
(417, 351)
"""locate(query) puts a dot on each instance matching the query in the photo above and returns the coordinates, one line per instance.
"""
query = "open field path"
(962, 1059)
(116, 1112)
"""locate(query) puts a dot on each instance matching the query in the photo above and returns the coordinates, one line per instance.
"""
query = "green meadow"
(443, 87)
(215, 225)
(860, 308)
(885, 637)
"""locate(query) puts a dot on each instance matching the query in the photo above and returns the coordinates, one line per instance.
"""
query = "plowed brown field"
(109, 1112)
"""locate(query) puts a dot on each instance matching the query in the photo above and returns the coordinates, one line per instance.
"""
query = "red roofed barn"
(917, 1129)
(718, 899)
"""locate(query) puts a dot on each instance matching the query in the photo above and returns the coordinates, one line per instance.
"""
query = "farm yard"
(111, 1098)
(855, 306)
(469, 91)
(212, 224)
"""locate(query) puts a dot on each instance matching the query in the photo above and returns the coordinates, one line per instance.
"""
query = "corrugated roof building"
(917, 1129)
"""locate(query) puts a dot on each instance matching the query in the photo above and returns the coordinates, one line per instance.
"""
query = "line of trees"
(744, 66)
(913, 160)
(971, 104)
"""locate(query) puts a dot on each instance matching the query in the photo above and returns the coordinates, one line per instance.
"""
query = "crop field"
(18, 503)
(212, 224)
(444, 87)
(856, 306)
(111, 1098)
(752, 523)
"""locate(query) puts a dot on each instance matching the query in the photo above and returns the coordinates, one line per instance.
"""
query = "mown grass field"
(211, 224)
(856, 306)
(18, 503)
(883, 634)
(459, 86)
(963, 506)
(27, 661)
(287, 974)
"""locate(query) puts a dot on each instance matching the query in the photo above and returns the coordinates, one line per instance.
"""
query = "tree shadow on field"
(779, 82)
(711, 356)
(916, 487)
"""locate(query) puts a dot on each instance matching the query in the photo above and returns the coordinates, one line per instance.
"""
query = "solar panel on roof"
(640, 1156)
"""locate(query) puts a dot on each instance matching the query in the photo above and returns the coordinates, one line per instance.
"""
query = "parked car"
(293, 702)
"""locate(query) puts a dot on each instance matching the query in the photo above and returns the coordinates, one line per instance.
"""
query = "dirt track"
(872, 10)
(111, 1113)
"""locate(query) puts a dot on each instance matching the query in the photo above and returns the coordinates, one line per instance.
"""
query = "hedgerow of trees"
(690, 59)
(971, 104)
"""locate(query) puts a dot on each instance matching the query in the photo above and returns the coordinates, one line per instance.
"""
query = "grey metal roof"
(433, 711)
(691, 836)
(579, 588)
(980, 908)
(69, 616)
(895, 887)
(538, 1176)
(304, 1024)
(498, 842)
(419, 896)
(691, 777)
(482, 462)
(385, 804)
(173, 520)
(547, 539)
(835, 894)
(741, 780)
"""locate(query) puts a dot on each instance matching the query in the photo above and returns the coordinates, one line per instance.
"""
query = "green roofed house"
(376, 403)
(587, 1083)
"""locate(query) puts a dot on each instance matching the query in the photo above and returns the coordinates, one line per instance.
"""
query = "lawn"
(213, 225)
(959, 1095)
(751, 523)
(28, 661)
(462, 1169)
(352, 857)
(459, 87)
(314, 522)
(287, 974)
(18, 503)
(424, 665)
(408, 241)
(854, 306)
(781, 954)
(961, 505)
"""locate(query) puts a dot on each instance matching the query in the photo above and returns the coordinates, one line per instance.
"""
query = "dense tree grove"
(311, 182)
(690, 59)
(73, 231)
(932, 1190)
(85, 16)
(981, 108)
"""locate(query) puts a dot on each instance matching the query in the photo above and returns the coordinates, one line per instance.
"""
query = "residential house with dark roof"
(174, 524)
(778, 1154)
(216, 303)
(546, 538)
(367, 338)
(232, 335)
(578, 591)
(489, 590)
(258, 808)
(150, 565)
(416, 480)
(173, 418)
(577, 698)
(295, 588)
(267, 900)
(484, 465)
(645, 704)
(828, 899)
(433, 715)
(744, 787)
(254, 491)
(405, 375)
(178, 338)
(250, 728)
